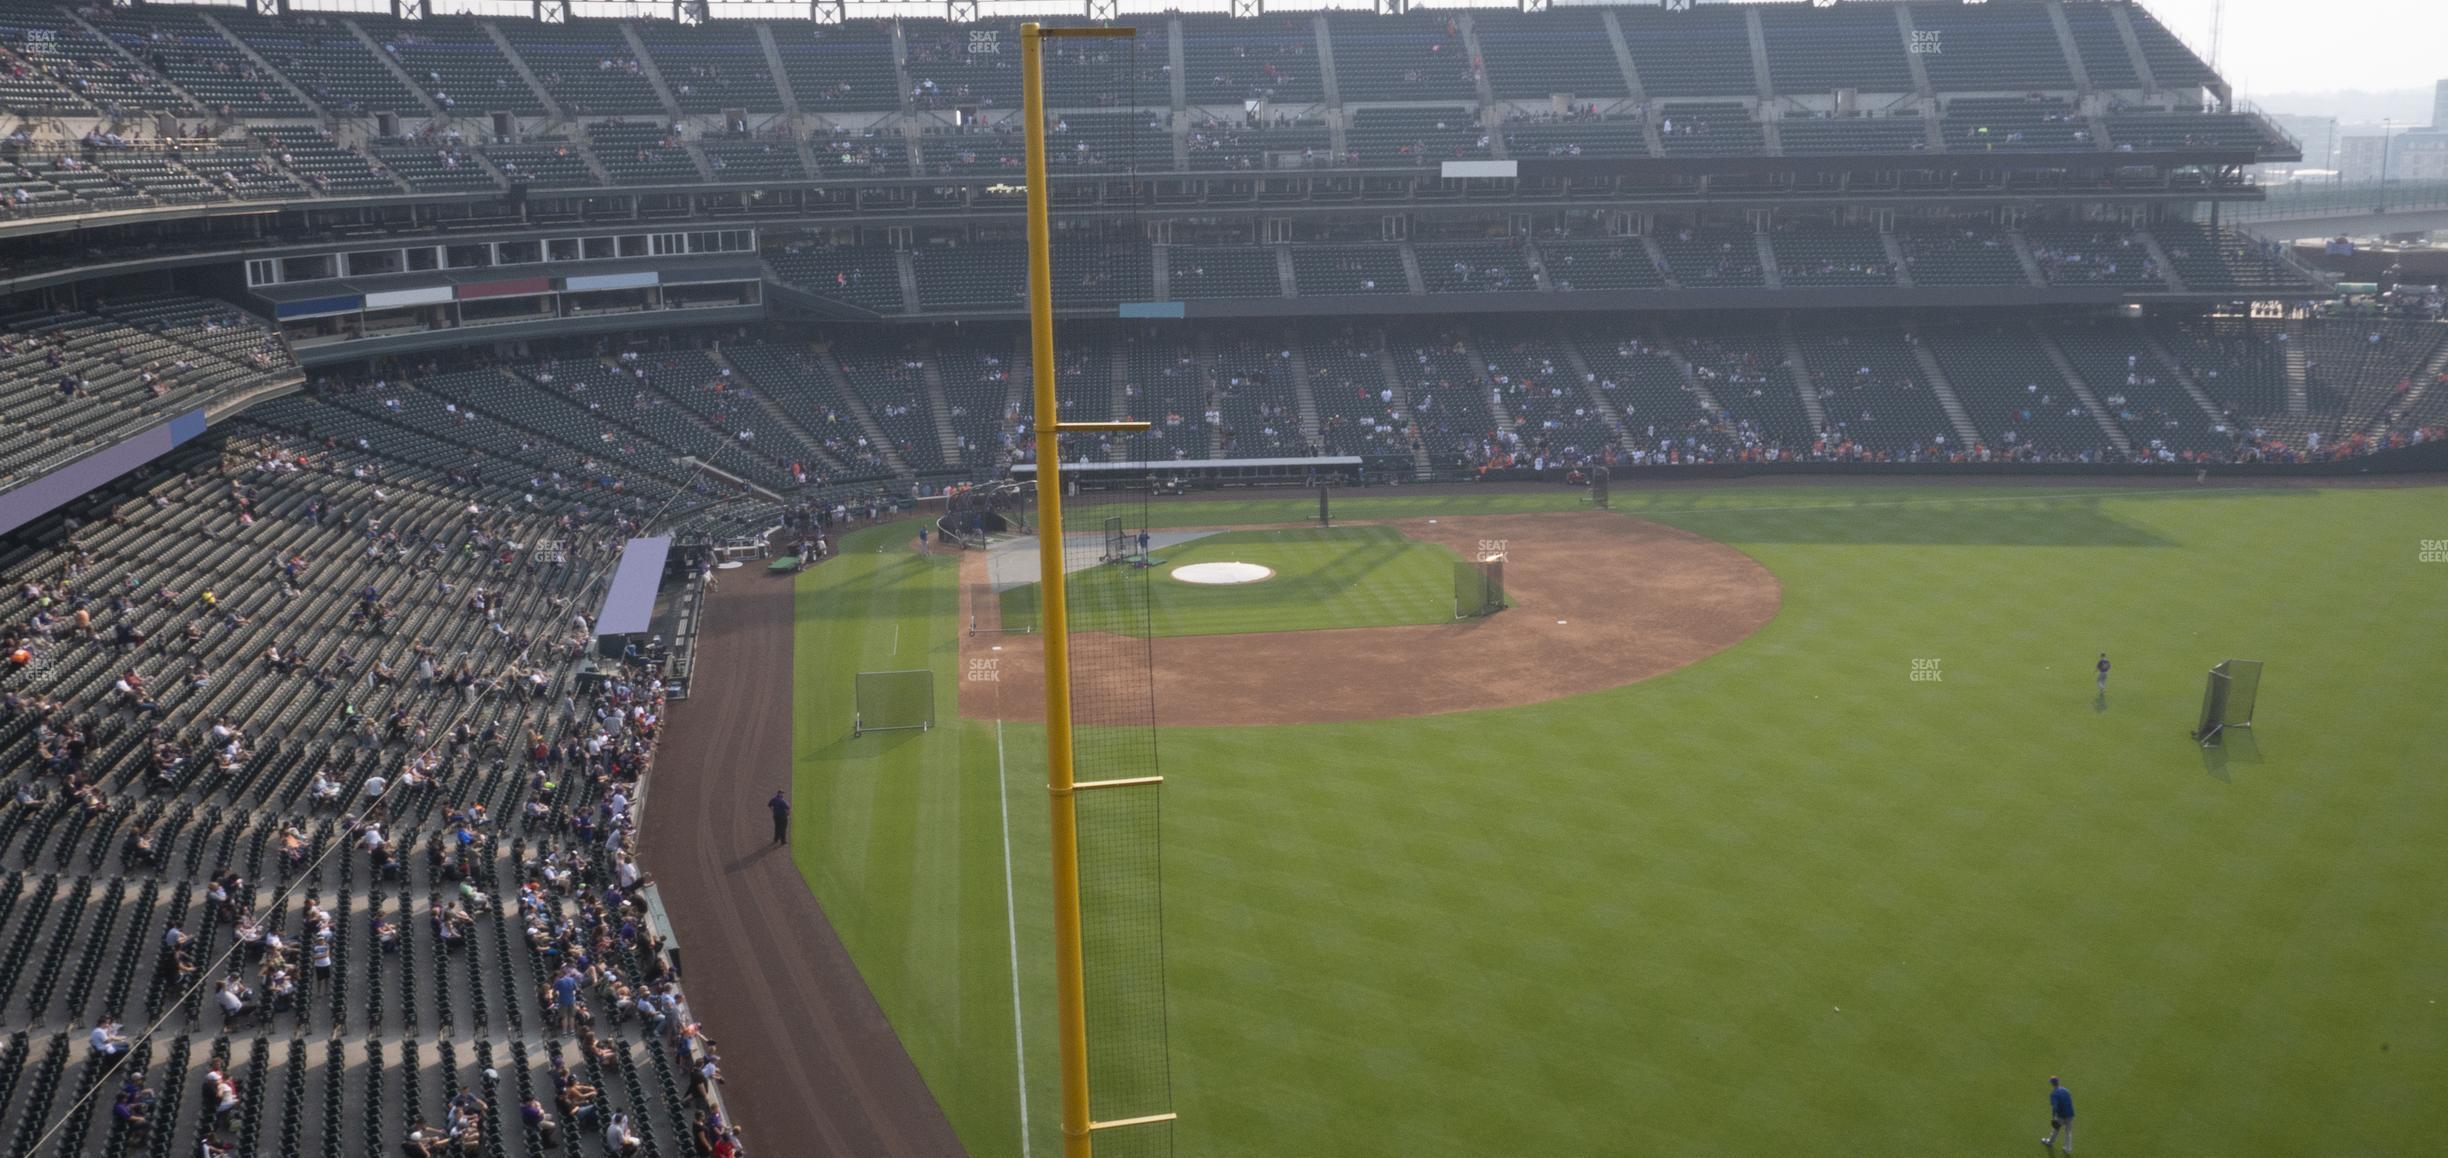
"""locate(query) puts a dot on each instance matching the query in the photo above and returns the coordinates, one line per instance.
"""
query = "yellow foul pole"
(1070, 996)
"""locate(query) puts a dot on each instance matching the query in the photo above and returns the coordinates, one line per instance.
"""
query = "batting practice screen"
(2228, 697)
(1478, 588)
(889, 701)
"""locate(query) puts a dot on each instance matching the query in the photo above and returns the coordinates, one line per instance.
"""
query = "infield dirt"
(1598, 601)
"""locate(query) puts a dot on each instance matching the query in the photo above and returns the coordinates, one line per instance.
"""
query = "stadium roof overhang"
(418, 341)
(1659, 300)
(681, 269)
(2012, 161)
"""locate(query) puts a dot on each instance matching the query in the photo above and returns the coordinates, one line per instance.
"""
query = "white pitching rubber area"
(1222, 574)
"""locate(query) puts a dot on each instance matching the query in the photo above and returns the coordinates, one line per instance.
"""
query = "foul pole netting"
(1101, 266)
(1120, 811)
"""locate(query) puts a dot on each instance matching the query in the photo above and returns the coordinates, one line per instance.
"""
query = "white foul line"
(1011, 915)
(896, 639)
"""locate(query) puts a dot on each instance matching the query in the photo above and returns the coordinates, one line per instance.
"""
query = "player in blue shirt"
(2061, 1099)
(2103, 673)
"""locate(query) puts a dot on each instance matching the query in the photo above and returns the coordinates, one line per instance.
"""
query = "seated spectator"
(546, 1127)
(423, 1141)
(622, 1137)
(237, 1001)
(577, 1104)
(250, 934)
(225, 1097)
(106, 1038)
(133, 1108)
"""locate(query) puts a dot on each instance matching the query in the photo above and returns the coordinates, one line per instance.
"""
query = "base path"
(810, 1065)
(1635, 599)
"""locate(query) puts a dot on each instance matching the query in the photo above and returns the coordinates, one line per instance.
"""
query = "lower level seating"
(2014, 395)
(2141, 393)
(1876, 395)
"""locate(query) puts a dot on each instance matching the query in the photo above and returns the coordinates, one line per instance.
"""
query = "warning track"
(810, 1065)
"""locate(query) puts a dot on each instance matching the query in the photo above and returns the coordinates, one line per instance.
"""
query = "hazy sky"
(2312, 45)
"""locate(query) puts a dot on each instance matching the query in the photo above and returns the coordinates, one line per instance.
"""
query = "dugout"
(648, 610)
(626, 616)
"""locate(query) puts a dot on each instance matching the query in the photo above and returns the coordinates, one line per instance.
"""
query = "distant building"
(2419, 155)
(2439, 105)
(2317, 135)
(2358, 158)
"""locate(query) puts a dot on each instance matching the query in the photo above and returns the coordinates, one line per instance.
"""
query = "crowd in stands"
(318, 714)
(609, 433)
(231, 78)
(73, 380)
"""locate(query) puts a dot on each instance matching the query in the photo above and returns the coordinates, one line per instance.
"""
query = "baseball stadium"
(1008, 578)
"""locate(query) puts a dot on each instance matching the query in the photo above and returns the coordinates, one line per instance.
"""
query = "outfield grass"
(1784, 900)
(1324, 577)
